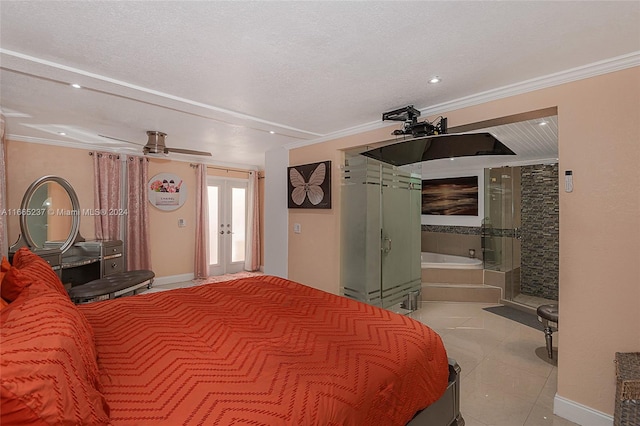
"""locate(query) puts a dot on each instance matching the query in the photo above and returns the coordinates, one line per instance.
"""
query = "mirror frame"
(75, 206)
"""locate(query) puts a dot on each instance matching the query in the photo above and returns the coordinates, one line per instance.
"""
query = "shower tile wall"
(540, 230)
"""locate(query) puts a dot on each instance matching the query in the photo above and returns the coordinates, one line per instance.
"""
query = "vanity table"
(90, 260)
(49, 224)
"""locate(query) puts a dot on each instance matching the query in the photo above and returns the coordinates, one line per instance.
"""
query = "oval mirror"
(50, 214)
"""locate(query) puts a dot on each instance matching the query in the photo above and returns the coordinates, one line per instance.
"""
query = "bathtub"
(448, 261)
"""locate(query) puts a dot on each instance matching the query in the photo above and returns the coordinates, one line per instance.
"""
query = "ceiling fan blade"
(187, 151)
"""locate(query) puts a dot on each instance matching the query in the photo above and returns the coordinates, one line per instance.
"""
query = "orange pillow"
(49, 371)
(28, 269)
(4, 267)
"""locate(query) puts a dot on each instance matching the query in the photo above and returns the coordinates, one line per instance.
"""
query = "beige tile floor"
(503, 381)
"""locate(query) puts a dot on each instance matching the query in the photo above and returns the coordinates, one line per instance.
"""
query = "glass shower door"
(400, 262)
(501, 227)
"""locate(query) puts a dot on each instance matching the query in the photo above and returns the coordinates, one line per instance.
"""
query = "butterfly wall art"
(310, 186)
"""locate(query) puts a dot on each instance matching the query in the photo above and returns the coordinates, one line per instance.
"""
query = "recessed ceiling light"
(76, 86)
(272, 132)
(542, 123)
(62, 133)
(451, 158)
(435, 79)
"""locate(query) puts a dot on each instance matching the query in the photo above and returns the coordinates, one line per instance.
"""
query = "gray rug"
(517, 315)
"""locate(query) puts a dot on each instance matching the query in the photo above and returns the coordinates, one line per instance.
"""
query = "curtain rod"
(230, 169)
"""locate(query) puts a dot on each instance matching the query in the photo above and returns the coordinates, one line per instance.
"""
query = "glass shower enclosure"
(501, 228)
(380, 221)
(520, 232)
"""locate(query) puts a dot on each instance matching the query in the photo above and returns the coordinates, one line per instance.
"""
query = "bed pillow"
(48, 368)
(4, 267)
(29, 269)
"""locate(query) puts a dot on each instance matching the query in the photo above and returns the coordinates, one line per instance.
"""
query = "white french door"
(227, 225)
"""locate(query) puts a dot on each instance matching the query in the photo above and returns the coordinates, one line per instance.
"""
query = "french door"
(227, 225)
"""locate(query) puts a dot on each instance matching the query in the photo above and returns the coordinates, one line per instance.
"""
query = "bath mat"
(517, 315)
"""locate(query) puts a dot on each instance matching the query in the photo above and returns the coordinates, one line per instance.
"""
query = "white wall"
(276, 214)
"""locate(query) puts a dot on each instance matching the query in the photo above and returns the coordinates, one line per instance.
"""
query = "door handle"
(221, 232)
(386, 249)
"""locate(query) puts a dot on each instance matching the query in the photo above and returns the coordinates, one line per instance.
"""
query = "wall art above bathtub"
(457, 196)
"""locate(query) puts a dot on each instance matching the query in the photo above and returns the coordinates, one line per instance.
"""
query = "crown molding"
(606, 66)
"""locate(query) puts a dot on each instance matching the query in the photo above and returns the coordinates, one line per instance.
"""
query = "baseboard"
(580, 414)
(172, 279)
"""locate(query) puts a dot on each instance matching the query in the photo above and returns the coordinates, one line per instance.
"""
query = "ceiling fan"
(156, 146)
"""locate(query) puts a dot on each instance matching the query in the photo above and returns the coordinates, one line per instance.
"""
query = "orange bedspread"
(262, 351)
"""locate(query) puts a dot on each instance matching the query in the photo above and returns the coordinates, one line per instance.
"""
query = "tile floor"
(533, 301)
(503, 380)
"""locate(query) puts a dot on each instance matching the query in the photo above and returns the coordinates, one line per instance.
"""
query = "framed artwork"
(309, 186)
(167, 191)
(450, 196)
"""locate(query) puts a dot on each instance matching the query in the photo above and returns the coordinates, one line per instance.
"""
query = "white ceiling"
(219, 76)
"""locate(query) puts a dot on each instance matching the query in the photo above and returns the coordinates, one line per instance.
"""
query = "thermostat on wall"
(568, 181)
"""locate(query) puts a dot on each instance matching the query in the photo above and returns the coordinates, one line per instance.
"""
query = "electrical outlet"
(182, 223)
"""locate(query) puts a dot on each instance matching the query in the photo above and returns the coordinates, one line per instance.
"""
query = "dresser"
(91, 260)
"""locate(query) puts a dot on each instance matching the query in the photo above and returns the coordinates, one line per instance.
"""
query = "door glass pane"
(238, 220)
(214, 225)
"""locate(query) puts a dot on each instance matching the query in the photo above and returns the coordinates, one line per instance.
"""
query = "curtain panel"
(138, 242)
(252, 252)
(107, 178)
(201, 266)
(4, 242)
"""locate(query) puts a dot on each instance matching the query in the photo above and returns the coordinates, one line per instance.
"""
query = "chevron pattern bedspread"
(262, 351)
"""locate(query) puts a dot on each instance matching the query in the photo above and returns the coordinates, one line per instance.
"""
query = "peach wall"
(172, 248)
(27, 162)
(599, 131)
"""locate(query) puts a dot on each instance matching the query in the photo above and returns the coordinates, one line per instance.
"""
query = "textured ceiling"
(220, 76)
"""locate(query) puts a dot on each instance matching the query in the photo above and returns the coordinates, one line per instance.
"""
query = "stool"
(548, 315)
(111, 286)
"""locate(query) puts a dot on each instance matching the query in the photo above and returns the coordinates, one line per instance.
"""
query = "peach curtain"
(252, 253)
(201, 266)
(107, 171)
(4, 243)
(138, 247)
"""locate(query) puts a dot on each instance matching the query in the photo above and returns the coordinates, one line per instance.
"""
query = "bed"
(254, 351)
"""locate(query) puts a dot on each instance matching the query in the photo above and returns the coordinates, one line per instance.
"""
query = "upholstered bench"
(548, 315)
(111, 286)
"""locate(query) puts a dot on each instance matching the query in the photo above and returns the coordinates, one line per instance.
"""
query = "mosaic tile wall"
(540, 231)
(450, 229)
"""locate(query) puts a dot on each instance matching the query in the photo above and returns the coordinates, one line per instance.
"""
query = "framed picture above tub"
(456, 196)
(167, 191)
